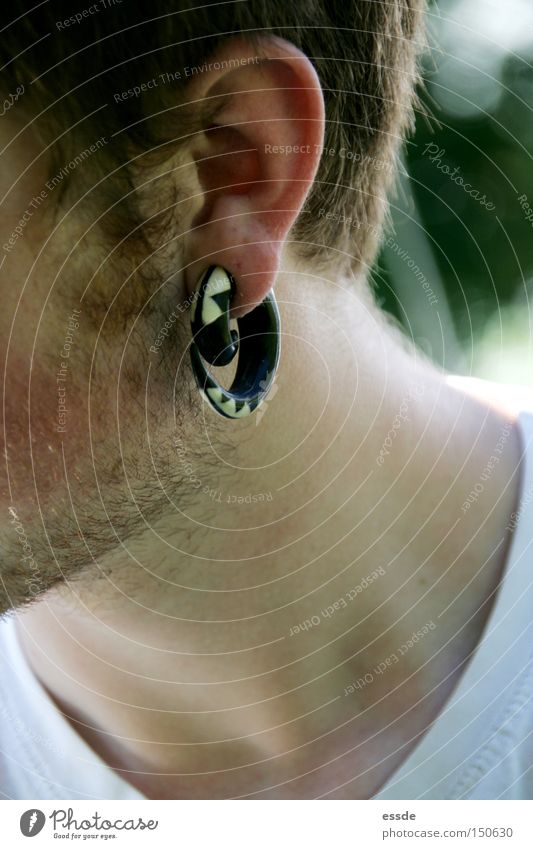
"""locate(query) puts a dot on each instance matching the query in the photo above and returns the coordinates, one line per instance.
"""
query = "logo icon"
(32, 822)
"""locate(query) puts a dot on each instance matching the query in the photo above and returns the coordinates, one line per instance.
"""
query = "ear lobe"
(256, 165)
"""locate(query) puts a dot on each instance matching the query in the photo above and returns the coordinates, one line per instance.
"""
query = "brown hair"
(73, 63)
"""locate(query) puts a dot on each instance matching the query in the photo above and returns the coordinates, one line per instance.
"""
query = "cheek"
(55, 434)
(45, 420)
(74, 428)
(31, 347)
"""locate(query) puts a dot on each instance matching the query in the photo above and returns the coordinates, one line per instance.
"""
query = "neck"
(261, 639)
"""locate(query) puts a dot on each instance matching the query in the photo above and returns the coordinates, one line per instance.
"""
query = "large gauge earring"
(257, 343)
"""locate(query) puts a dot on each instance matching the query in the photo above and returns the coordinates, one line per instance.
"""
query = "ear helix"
(257, 343)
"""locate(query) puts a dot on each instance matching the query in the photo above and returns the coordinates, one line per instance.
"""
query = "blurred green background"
(478, 260)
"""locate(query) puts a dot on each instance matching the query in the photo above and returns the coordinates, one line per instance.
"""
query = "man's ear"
(254, 164)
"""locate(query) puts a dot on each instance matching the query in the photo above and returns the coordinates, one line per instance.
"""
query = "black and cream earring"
(257, 342)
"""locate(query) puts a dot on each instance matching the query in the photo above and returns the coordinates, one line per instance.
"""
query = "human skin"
(164, 626)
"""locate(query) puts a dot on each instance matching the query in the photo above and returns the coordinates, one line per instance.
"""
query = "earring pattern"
(257, 342)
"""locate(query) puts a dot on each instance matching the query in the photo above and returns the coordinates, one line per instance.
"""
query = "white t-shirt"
(480, 746)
